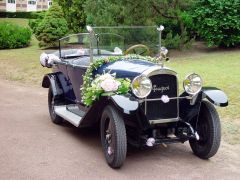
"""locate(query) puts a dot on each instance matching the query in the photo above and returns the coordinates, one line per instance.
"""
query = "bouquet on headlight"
(106, 85)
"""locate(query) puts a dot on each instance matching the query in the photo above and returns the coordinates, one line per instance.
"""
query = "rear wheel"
(113, 137)
(209, 130)
(52, 101)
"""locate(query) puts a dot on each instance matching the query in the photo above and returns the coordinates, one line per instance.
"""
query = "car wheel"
(52, 101)
(113, 137)
(209, 130)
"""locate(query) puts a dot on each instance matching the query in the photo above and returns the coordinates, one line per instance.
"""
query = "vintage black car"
(148, 110)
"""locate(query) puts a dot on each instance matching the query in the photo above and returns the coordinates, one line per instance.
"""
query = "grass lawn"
(217, 68)
(19, 21)
(22, 64)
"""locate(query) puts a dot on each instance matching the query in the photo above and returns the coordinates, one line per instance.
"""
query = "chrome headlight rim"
(133, 89)
(187, 78)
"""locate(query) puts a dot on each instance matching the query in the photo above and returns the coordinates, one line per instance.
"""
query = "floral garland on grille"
(106, 84)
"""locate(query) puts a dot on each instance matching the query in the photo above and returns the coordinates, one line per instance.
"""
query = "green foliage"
(34, 23)
(123, 12)
(27, 15)
(218, 22)
(175, 42)
(51, 28)
(172, 14)
(74, 13)
(13, 36)
(172, 42)
(90, 88)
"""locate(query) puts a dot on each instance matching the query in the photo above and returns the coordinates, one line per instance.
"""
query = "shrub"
(14, 36)
(178, 42)
(172, 42)
(218, 22)
(51, 28)
(74, 13)
(34, 23)
(27, 15)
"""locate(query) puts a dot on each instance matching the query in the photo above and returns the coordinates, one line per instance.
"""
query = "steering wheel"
(133, 49)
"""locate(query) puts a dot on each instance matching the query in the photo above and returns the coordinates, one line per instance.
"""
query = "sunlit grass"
(222, 70)
(19, 21)
(22, 64)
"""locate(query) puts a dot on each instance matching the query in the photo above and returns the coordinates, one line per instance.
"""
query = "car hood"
(125, 68)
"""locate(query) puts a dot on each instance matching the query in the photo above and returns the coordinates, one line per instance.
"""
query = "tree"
(52, 27)
(172, 13)
(218, 22)
(74, 13)
(121, 12)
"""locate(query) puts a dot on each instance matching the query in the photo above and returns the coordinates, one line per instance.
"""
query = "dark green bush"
(51, 28)
(218, 22)
(27, 15)
(14, 36)
(34, 23)
(178, 42)
(74, 14)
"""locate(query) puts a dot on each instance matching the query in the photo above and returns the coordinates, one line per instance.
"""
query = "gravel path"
(31, 147)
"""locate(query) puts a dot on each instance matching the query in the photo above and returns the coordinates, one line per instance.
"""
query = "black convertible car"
(115, 77)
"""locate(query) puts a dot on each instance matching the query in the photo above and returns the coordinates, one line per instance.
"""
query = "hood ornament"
(162, 50)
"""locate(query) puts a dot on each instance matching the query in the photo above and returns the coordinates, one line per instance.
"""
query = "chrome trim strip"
(65, 37)
(160, 121)
(159, 99)
(155, 70)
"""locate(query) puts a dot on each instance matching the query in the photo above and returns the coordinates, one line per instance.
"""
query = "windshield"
(141, 40)
(109, 41)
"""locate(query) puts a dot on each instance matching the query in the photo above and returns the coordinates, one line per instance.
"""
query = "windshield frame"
(94, 38)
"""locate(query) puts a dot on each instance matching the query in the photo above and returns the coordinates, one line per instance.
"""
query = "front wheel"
(209, 130)
(113, 137)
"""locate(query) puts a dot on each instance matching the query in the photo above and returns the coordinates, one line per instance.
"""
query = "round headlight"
(141, 86)
(192, 84)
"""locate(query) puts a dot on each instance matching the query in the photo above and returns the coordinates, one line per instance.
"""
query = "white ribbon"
(47, 60)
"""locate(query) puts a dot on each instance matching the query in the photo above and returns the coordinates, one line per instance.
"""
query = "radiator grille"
(164, 84)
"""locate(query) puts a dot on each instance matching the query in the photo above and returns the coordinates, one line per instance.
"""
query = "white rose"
(110, 85)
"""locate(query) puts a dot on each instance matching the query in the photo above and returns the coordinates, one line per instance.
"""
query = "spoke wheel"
(209, 130)
(52, 101)
(113, 137)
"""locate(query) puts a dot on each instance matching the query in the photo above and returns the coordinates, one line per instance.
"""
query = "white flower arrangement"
(106, 84)
(47, 60)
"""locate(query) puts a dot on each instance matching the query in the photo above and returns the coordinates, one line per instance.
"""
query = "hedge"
(27, 15)
(14, 36)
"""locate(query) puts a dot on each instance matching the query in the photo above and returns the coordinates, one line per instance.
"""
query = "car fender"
(188, 109)
(124, 103)
(128, 107)
(52, 79)
(215, 96)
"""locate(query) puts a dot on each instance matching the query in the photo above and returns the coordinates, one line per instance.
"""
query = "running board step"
(63, 112)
